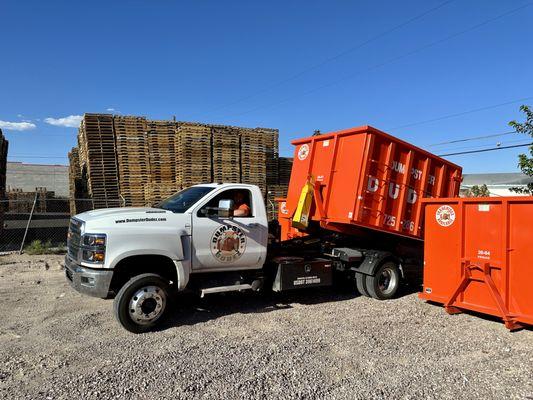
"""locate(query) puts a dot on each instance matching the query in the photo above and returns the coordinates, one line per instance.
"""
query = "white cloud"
(110, 109)
(17, 126)
(72, 121)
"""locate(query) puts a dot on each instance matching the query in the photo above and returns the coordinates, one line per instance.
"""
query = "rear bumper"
(92, 282)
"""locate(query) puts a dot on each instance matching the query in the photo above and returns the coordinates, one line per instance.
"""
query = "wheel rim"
(147, 304)
(387, 281)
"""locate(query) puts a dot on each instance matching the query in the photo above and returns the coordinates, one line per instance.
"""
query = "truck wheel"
(385, 282)
(141, 303)
(360, 280)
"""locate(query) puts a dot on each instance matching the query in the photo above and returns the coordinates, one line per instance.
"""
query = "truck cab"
(141, 254)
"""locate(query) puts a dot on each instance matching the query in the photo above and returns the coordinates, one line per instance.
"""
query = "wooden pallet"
(98, 157)
(133, 158)
(226, 154)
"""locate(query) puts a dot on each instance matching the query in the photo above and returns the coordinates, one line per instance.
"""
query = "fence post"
(28, 224)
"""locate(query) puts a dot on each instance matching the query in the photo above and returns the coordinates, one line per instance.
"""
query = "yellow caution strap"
(300, 220)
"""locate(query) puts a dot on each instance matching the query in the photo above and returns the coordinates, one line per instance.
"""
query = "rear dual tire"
(383, 285)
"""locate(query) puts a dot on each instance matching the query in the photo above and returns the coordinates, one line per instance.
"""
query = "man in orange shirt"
(240, 208)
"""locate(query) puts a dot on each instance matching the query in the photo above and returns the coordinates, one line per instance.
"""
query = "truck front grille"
(74, 238)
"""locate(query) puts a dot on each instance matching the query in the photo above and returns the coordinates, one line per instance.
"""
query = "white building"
(497, 183)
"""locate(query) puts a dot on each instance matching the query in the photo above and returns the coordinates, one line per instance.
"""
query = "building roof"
(505, 178)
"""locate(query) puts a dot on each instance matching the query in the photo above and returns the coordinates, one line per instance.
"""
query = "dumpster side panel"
(521, 260)
(442, 248)
(341, 194)
(483, 238)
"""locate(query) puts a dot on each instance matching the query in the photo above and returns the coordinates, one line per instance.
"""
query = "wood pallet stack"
(74, 176)
(193, 154)
(3, 167)
(22, 202)
(253, 158)
(98, 157)
(161, 146)
(226, 154)
(285, 167)
(133, 158)
(270, 142)
(4, 144)
(132, 161)
(274, 192)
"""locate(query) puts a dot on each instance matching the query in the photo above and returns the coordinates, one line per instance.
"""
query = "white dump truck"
(345, 216)
(194, 240)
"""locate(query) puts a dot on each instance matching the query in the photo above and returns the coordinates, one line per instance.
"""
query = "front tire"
(384, 284)
(142, 302)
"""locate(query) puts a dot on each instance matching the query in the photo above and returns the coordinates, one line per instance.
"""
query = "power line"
(330, 59)
(485, 150)
(521, 141)
(473, 138)
(394, 59)
(461, 113)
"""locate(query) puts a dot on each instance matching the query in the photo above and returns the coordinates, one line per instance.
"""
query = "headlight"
(93, 248)
(94, 240)
(94, 256)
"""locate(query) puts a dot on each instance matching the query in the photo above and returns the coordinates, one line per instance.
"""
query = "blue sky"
(296, 66)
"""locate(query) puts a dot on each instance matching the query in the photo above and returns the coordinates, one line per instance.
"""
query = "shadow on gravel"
(189, 309)
(485, 317)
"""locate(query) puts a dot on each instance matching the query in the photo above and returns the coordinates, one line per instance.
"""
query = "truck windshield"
(182, 201)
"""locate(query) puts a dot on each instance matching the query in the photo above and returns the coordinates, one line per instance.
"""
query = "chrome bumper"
(93, 282)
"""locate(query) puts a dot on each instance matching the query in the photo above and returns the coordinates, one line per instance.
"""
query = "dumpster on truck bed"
(363, 178)
(477, 256)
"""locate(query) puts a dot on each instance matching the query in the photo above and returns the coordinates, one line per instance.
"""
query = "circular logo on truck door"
(303, 152)
(228, 243)
(445, 215)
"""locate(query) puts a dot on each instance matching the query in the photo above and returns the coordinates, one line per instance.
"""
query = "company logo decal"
(445, 215)
(303, 152)
(228, 243)
(283, 207)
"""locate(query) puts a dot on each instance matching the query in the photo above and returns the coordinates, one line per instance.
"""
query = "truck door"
(228, 243)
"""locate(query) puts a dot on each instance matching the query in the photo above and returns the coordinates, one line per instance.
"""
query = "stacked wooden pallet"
(274, 192)
(161, 146)
(3, 166)
(4, 144)
(98, 157)
(133, 159)
(253, 158)
(22, 202)
(285, 167)
(226, 154)
(74, 176)
(193, 154)
(270, 143)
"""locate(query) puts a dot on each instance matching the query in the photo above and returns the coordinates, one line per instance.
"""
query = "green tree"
(525, 163)
(479, 191)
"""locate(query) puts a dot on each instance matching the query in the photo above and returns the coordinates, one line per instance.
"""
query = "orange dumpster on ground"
(478, 256)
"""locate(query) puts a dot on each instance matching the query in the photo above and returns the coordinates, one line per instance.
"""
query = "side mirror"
(225, 208)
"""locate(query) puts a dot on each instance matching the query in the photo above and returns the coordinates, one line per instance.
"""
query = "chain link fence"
(37, 223)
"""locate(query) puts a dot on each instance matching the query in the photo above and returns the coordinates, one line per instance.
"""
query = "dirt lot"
(56, 343)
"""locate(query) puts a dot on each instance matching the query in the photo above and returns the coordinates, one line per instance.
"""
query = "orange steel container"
(478, 256)
(364, 177)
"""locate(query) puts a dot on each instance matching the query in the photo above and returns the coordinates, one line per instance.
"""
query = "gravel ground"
(56, 343)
